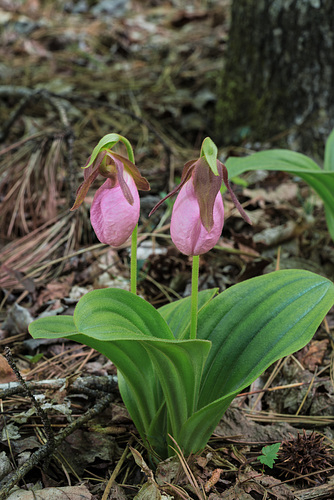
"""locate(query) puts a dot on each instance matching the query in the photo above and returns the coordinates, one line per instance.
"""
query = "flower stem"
(194, 297)
(133, 264)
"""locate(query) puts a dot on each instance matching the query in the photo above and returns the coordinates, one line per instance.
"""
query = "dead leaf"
(56, 289)
(314, 354)
(276, 235)
(18, 319)
(149, 491)
(142, 464)
(254, 482)
(6, 373)
(236, 492)
(284, 192)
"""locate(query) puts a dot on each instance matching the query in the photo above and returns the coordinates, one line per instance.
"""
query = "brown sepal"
(234, 198)
(186, 173)
(206, 186)
(123, 185)
(140, 181)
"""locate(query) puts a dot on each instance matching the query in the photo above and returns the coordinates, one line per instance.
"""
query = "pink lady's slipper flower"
(198, 212)
(115, 208)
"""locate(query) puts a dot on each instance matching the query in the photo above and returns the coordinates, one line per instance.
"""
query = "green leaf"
(113, 322)
(34, 359)
(177, 314)
(329, 153)
(251, 325)
(209, 151)
(157, 373)
(183, 387)
(273, 159)
(179, 366)
(107, 142)
(269, 454)
(197, 430)
(114, 314)
(322, 181)
(52, 327)
(256, 322)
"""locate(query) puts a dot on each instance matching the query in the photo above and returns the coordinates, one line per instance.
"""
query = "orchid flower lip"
(112, 216)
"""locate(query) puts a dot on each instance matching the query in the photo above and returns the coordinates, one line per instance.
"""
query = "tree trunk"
(279, 73)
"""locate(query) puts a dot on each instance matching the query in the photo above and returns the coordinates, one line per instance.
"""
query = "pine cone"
(305, 454)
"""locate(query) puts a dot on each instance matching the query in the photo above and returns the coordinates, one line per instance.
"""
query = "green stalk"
(194, 297)
(133, 263)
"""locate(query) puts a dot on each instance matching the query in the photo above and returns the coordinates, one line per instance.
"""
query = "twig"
(319, 492)
(41, 413)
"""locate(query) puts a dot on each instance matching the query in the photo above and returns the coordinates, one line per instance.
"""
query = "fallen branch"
(106, 384)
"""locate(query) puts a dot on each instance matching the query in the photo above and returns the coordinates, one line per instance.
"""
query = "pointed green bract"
(209, 151)
(107, 142)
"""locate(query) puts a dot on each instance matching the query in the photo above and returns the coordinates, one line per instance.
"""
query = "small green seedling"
(269, 454)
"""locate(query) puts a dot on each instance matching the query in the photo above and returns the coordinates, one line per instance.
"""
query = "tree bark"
(279, 71)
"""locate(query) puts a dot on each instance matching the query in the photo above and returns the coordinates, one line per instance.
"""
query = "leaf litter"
(83, 74)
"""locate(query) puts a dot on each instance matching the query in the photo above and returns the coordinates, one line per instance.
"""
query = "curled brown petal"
(234, 198)
(83, 189)
(186, 173)
(140, 181)
(123, 185)
(96, 164)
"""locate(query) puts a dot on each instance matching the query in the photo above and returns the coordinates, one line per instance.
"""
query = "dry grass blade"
(116, 471)
(191, 478)
(30, 185)
(278, 366)
(298, 420)
(25, 255)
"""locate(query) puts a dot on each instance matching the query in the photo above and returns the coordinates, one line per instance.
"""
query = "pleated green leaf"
(182, 387)
(256, 322)
(158, 374)
(322, 181)
(251, 325)
(53, 327)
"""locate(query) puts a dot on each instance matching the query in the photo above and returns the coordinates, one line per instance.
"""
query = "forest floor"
(151, 71)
